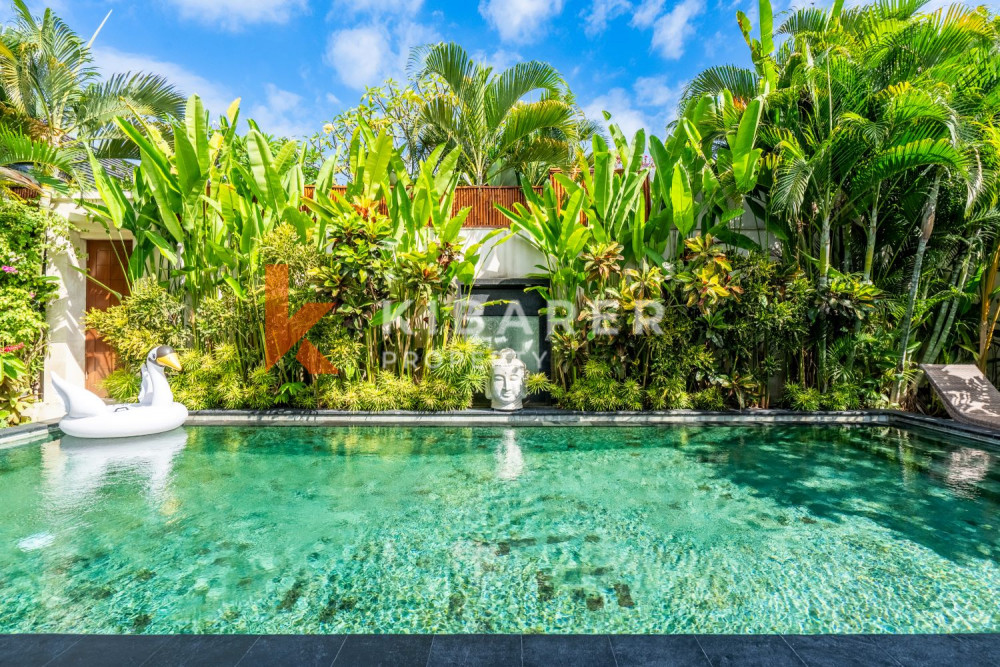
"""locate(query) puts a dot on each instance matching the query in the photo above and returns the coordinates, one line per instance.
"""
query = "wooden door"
(105, 262)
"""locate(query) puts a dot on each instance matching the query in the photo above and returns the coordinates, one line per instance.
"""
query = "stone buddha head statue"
(507, 388)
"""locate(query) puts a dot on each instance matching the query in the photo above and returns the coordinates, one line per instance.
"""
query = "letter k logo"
(282, 332)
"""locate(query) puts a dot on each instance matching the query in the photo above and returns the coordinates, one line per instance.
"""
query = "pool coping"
(25, 433)
(500, 649)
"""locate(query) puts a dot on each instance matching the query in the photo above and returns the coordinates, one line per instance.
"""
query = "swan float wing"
(78, 401)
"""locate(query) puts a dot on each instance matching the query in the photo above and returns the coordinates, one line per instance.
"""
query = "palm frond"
(741, 82)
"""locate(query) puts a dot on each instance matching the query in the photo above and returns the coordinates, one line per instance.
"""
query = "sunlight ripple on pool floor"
(633, 530)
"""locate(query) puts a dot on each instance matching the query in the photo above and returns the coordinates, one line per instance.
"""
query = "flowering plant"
(25, 236)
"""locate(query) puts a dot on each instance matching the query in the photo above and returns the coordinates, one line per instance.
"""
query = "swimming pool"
(679, 529)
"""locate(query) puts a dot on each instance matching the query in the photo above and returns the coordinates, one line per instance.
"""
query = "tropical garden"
(813, 226)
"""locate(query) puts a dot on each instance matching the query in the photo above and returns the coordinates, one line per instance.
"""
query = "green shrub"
(218, 320)
(439, 395)
(21, 322)
(386, 392)
(216, 380)
(148, 317)
(282, 245)
(709, 399)
(598, 391)
(669, 393)
(456, 372)
(797, 397)
(26, 234)
(453, 375)
(343, 349)
(13, 374)
(122, 385)
(539, 383)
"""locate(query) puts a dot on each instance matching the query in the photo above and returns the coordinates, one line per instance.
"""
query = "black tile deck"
(385, 650)
(130, 651)
(566, 650)
(649, 650)
(301, 651)
(482, 650)
(840, 650)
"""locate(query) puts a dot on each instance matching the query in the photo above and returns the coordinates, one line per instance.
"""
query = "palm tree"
(24, 161)
(870, 113)
(513, 121)
(51, 90)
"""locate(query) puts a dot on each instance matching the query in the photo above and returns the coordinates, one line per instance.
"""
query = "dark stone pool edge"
(545, 417)
(557, 417)
(621, 650)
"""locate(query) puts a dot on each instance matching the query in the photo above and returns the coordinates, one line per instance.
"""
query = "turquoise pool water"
(674, 530)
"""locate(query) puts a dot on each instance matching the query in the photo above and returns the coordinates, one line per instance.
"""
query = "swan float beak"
(170, 361)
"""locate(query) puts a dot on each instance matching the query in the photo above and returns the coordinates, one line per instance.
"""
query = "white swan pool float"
(87, 416)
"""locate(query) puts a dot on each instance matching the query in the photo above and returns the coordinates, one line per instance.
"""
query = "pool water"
(559, 530)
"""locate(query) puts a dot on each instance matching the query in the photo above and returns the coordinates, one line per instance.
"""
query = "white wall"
(66, 351)
(512, 259)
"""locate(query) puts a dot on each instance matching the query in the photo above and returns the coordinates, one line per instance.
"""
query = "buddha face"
(507, 383)
(506, 389)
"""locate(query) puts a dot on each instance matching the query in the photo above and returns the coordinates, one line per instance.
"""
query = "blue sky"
(297, 63)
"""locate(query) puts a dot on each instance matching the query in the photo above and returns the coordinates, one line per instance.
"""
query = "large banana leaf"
(745, 155)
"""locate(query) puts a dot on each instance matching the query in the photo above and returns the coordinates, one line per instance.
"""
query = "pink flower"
(12, 348)
(8, 269)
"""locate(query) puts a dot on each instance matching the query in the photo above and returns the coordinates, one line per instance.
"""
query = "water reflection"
(966, 468)
(510, 458)
(76, 468)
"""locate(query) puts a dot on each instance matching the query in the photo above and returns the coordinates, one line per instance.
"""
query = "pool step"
(966, 393)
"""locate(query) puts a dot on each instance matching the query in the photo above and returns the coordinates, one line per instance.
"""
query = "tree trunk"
(823, 284)
(943, 330)
(988, 312)
(926, 229)
(871, 236)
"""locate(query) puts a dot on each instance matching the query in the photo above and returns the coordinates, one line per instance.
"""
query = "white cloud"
(646, 13)
(520, 20)
(357, 55)
(602, 11)
(368, 54)
(499, 60)
(651, 104)
(234, 14)
(215, 96)
(340, 8)
(620, 105)
(654, 91)
(672, 29)
(407, 35)
(284, 114)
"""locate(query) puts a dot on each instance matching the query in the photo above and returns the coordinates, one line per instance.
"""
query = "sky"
(297, 63)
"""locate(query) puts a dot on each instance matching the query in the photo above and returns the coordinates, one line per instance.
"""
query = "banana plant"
(197, 214)
(429, 230)
(419, 233)
(553, 228)
(613, 196)
(699, 184)
(369, 158)
(762, 49)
